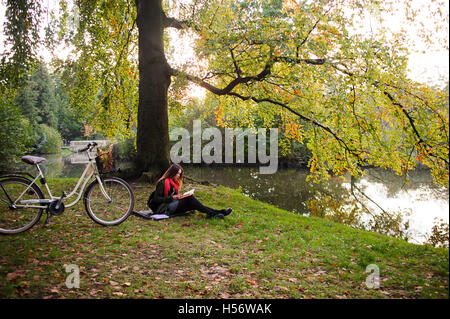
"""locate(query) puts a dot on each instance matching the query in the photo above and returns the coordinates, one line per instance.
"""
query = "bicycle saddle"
(33, 160)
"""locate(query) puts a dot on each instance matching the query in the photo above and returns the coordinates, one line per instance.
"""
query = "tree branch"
(236, 67)
(169, 22)
(297, 61)
(311, 30)
(227, 91)
(413, 126)
(402, 108)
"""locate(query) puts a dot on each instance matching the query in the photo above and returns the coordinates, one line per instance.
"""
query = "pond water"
(419, 201)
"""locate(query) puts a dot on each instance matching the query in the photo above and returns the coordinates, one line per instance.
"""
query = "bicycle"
(108, 200)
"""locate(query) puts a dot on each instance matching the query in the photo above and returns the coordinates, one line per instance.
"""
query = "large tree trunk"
(154, 80)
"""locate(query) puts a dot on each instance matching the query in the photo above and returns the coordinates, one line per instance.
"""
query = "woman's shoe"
(219, 216)
(226, 212)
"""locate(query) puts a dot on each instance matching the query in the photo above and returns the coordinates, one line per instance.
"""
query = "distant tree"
(37, 100)
(48, 140)
(27, 99)
(69, 123)
(15, 134)
(21, 30)
(43, 101)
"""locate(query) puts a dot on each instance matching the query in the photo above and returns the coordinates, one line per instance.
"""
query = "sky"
(426, 65)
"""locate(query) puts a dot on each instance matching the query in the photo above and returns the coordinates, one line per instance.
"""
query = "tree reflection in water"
(380, 202)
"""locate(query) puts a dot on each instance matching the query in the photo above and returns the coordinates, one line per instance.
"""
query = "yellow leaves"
(313, 165)
(291, 4)
(219, 116)
(419, 157)
(335, 32)
(289, 98)
(203, 34)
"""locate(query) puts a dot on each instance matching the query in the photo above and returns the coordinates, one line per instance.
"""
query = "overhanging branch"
(228, 91)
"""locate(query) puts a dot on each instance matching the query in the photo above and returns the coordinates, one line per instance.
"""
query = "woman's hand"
(176, 196)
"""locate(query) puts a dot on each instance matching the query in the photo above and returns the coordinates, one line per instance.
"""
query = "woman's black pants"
(192, 203)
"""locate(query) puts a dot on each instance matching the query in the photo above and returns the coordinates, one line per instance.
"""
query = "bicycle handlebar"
(88, 147)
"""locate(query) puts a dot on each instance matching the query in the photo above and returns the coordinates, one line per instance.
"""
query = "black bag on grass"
(150, 203)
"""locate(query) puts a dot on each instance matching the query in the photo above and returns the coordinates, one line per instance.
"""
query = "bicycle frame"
(82, 181)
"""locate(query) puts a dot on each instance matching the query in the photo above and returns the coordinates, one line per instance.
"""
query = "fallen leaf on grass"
(15, 275)
(94, 292)
(252, 282)
(24, 292)
(55, 290)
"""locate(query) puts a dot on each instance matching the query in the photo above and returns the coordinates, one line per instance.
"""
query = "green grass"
(66, 152)
(259, 251)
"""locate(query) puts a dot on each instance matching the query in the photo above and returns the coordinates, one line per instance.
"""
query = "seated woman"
(167, 199)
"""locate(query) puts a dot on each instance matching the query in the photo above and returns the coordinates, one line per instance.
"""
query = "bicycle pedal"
(56, 208)
(59, 206)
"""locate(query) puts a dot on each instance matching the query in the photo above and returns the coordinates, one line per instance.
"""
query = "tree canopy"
(302, 66)
(347, 94)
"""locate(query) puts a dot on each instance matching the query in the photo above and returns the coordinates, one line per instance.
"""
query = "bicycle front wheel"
(16, 217)
(111, 205)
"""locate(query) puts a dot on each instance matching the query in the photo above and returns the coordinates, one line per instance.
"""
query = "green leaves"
(307, 67)
(104, 79)
(14, 135)
(322, 72)
(22, 39)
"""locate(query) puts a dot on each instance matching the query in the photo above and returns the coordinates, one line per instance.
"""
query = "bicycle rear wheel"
(15, 219)
(111, 211)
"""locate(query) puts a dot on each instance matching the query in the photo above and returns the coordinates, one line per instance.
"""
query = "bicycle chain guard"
(52, 208)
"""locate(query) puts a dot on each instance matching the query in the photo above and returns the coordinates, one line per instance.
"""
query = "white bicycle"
(108, 200)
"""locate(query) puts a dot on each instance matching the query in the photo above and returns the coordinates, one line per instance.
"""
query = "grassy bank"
(259, 251)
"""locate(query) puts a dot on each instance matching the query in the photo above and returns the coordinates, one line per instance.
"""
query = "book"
(189, 193)
(159, 216)
(149, 214)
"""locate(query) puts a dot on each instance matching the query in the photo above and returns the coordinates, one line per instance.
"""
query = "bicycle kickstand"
(48, 218)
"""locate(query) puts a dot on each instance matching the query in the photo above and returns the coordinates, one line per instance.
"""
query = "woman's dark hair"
(171, 172)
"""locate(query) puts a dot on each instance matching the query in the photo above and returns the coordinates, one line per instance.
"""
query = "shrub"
(15, 134)
(439, 236)
(125, 151)
(48, 140)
